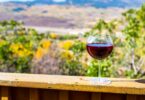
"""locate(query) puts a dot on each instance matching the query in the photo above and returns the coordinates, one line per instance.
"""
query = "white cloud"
(59, 0)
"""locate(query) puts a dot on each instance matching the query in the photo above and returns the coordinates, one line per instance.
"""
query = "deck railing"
(53, 87)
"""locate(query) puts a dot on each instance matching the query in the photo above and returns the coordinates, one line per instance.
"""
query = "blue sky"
(59, 0)
(30, 0)
(14, 0)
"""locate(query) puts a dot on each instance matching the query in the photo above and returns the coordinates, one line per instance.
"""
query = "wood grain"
(48, 95)
(79, 96)
(111, 96)
(63, 95)
(131, 97)
(96, 96)
(141, 97)
(5, 93)
(20, 94)
(73, 83)
(34, 95)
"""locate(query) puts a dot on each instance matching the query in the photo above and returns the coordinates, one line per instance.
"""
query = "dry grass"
(58, 16)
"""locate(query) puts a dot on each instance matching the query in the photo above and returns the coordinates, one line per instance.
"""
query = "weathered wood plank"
(20, 94)
(79, 96)
(5, 93)
(63, 95)
(131, 97)
(110, 96)
(34, 95)
(141, 97)
(73, 83)
(48, 95)
(96, 96)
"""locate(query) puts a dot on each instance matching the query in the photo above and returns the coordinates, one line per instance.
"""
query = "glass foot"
(100, 81)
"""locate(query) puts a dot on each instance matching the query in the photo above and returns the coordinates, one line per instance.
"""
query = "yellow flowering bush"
(2, 42)
(21, 32)
(39, 53)
(45, 44)
(53, 35)
(19, 50)
(67, 54)
(67, 44)
(71, 56)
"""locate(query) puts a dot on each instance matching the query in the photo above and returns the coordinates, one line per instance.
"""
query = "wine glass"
(99, 47)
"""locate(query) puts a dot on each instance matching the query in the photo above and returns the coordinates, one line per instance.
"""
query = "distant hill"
(95, 3)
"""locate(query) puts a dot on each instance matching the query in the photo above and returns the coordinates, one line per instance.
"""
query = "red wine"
(99, 50)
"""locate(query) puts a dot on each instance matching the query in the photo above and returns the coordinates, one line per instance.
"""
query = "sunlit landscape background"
(49, 36)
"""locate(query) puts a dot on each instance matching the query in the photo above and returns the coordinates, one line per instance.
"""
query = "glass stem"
(99, 68)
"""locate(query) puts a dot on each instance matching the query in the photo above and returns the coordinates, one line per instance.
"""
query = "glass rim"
(93, 37)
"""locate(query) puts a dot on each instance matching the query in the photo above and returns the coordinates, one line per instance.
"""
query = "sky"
(14, 0)
(59, 0)
(29, 0)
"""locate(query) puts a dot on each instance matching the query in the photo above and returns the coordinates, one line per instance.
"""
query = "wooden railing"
(53, 87)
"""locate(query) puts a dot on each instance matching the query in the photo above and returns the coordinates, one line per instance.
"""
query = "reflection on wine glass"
(100, 47)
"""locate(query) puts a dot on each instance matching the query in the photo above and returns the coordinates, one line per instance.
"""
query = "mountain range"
(95, 3)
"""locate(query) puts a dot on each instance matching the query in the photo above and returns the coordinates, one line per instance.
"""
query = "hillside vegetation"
(26, 51)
